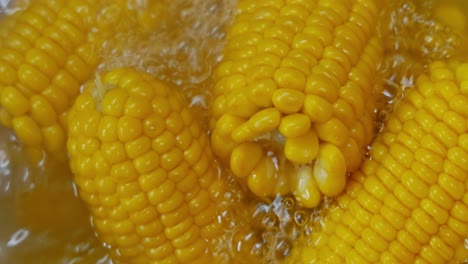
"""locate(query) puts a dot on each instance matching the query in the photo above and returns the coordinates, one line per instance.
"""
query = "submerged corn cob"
(44, 58)
(143, 166)
(294, 95)
(409, 202)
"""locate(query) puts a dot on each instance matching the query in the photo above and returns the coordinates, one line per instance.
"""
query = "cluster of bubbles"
(412, 37)
(276, 224)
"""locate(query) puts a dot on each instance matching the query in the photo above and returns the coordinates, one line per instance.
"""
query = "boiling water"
(43, 221)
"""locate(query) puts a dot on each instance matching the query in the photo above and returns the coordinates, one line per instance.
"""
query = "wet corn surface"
(182, 42)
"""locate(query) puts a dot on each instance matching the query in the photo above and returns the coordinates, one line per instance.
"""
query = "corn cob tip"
(295, 78)
(144, 168)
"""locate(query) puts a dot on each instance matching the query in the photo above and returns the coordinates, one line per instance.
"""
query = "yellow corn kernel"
(294, 125)
(330, 170)
(265, 121)
(413, 204)
(317, 108)
(34, 72)
(288, 101)
(28, 130)
(261, 178)
(317, 66)
(150, 169)
(332, 131)
(302, 149)
(244, 158)
(305, 188)
(14, 102)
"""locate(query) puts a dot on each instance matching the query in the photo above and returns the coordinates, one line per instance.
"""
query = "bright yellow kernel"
(330, 170)
(193, 153)
(107, 130)
(333, 68)
(13, 101)
(458, 103)
(455, 121)
(182, 170)
(352, 154)
(290, 78)
(135, 203)
(429, 254)
(259, 181)
(288, 101)
(41, 111)
(137, 107)
(113, 103)
(408, 241)
(436, 106)
(32, 78)
(424, 221)
(429, 158)
(137, 147)
(238, 104)
(344, 112)
(42, 61)
(307, 43)
(124, 172)
(146, 162)
(440, 197)
(332, 131)
(451, 186)
(261, 92)
(123, 227)
(114, 151)
(368, 202)
(305, 188)
(302, 149)
(171, 159)
(174, 122)
(453, 170)
(244, 158)
(366, 251)
(243, 133)
(7, 74)
(396, 219)
(294, 125)
(265, 120)
(413, 183)
(432, 209)
(317, 108)
(298, 64)
(129, 128)
(17, 42)
(322, 86)
(57, 98)
(458, 156)
(27, 130)
(405, 196)
(194, 251)
(54, 138)
(67, 83)
(430, 142)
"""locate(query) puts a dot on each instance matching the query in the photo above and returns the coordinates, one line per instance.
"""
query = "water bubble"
(289, 202)
(301, 218)
(18, 237)
(283, 248)
(269, 221)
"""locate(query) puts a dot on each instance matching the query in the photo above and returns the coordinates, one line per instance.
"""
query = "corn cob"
(143, 165)
(47, 52)
(44, 57)
(294, 101)
(408, 203)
